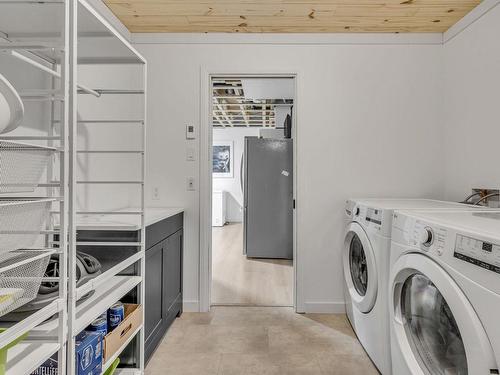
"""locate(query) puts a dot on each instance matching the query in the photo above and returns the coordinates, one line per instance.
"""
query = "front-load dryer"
(366, 254)
(445, 293)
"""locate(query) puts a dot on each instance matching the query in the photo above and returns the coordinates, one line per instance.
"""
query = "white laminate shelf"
(119, 222)
(104, 296)
(27, 356)
(106, 276)
(127, 371)
(31, 323)
(110, 361)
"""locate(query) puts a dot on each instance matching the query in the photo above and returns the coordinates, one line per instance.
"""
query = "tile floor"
(260, 341)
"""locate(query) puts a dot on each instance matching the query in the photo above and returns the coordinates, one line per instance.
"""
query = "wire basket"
(20, 278)
(22, 165)
(21, 222)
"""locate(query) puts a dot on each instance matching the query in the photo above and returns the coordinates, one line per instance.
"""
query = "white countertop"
(126, 222)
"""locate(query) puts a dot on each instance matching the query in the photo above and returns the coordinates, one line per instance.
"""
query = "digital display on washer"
(482, 254)
(487, 247)
(374, 216)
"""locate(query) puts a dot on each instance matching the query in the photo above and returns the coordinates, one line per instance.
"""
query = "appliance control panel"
(374, 216)
(480, 253)
(427, 237)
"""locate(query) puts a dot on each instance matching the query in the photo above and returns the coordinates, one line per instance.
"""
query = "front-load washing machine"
(445, 293)
(366, 269)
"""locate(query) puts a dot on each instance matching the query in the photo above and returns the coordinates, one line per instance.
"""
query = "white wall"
(368, 120)
(120, 136)
(472, 107)
(234, 197)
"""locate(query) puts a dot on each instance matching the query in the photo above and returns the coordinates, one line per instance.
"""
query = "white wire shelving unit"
(57, 38)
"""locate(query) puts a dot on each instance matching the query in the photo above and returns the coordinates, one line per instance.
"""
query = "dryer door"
(436, 328)
(360, 270)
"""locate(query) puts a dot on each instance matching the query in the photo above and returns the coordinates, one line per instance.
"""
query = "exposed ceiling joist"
(231, 106)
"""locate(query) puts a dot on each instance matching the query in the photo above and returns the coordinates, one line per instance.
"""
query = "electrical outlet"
(190, 184)
(190, 154)
(156, 193)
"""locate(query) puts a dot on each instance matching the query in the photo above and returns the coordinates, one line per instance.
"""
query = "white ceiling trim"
(290, 39)
(483, 8)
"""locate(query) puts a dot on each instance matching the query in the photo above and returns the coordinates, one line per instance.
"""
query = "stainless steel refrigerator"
(267, 171)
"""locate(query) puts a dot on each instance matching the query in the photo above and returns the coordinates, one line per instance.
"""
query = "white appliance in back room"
(218, 208)
(366, 268)
(445, 293)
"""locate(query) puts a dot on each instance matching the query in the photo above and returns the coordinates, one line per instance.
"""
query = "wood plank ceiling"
(290, 16)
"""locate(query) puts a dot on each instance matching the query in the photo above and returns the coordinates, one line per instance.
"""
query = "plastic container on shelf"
(3, 351)
(11, 106)
(21, 223)
(22, 165)
(20, 278)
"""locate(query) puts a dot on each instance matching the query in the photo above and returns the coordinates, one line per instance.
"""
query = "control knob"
(426, 236)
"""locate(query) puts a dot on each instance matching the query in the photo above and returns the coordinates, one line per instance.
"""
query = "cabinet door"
(172, 270)
(154, 286)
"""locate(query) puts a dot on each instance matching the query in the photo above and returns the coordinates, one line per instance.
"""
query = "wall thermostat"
(190, 132)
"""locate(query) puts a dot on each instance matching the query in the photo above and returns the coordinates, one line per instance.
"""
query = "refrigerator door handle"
(241, 174)
(244, 230)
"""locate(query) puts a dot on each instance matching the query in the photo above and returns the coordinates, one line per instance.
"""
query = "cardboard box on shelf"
(115, 339)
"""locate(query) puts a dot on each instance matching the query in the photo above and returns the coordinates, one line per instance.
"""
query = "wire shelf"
(22, 222)
(22, 165)
(19, 285)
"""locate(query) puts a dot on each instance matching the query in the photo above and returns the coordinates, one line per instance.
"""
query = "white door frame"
(205, 271)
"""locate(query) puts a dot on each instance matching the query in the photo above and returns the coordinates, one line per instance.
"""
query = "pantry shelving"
(25, 357)
(28, 206)
(108, 275)
(111, 359)
(59, 40)
(102, 299)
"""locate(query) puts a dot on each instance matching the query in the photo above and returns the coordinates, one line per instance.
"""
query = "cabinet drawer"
(163, 229)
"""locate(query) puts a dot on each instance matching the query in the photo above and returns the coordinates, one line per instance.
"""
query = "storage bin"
(115, 339)
(21, 221)
(22, 165)
(3, 351)
(20, 277)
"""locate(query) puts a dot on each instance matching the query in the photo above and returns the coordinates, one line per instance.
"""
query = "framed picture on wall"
(223, 159)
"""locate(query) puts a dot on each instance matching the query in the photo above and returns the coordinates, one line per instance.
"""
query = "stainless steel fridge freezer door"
(268, 198)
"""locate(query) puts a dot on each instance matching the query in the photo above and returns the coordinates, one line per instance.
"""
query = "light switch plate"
(190, 132)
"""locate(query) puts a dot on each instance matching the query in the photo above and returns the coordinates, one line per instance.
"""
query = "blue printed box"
(88, 353)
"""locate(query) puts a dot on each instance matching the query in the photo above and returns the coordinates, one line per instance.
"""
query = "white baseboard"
(309, 307)
(191, 306)
(324, 307)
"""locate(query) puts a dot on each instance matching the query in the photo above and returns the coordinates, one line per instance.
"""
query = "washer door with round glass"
(359, 268)
(437, 330)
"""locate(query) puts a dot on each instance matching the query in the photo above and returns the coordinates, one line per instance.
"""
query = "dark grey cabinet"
(172, 252)
(164, 259)
(154, 288)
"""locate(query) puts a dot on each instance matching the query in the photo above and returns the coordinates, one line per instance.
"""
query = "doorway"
(252, 202)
